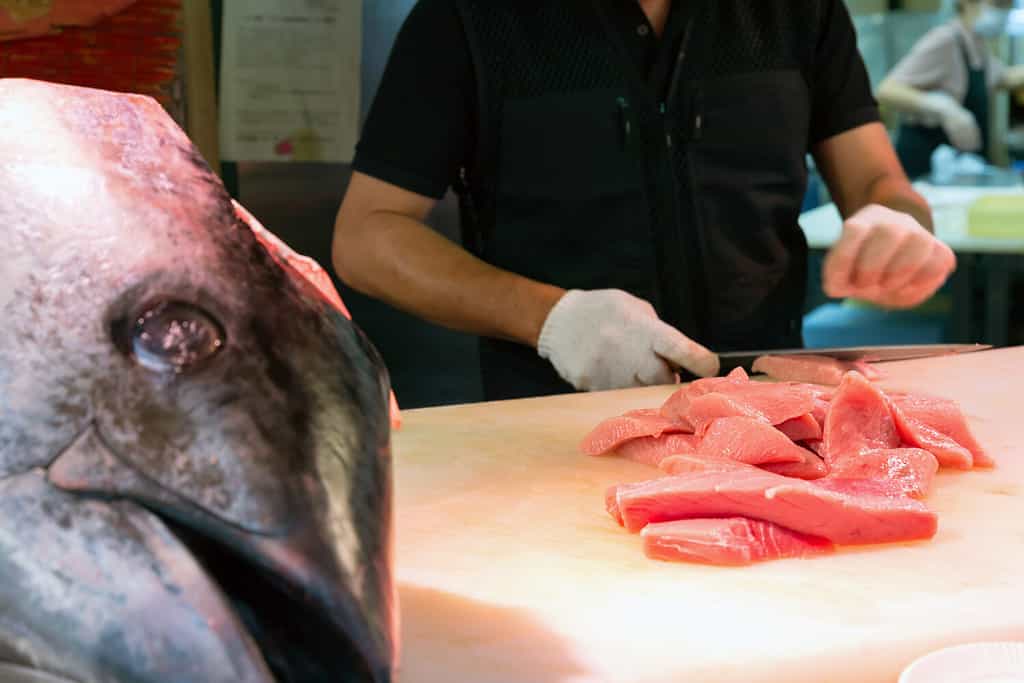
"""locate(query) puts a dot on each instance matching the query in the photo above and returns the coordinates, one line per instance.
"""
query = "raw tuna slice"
(677, 405)
(812, 467)
(826, 394)
(693, 462)
(843, 511)
(858, 419)
(822, 401)
(937, 425)
(820, 411)
(651, 450)
(870, 371)
(771, 403)
(801, 428)
(910, 469)
(611, 503)
(727, 541)
(748, 440)
(610, 433)
(811, 368)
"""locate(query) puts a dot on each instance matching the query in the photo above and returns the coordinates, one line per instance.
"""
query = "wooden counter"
(511, 571)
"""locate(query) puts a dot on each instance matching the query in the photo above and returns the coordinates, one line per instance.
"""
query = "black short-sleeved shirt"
(421, 125)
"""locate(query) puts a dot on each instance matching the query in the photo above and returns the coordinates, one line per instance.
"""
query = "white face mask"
(991, 21)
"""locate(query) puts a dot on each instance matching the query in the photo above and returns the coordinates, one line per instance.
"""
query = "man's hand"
(887, 258)
(609, 339)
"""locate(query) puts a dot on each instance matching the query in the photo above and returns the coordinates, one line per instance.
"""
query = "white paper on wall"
(290, 80)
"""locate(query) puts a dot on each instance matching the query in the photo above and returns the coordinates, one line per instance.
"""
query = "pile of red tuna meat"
(754, 471)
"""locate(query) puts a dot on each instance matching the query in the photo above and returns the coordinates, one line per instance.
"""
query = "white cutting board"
(511, 571)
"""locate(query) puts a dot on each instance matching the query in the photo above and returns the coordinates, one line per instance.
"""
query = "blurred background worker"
(942, 87)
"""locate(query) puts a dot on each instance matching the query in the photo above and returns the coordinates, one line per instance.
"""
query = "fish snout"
(314, 596)
(101, 590)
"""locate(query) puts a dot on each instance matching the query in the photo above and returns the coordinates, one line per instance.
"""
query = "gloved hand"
(610, 339)
(886, 257)
(959, 124)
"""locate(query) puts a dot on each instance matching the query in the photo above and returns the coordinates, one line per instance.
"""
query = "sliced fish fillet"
(812, 369)
(858, 419)
(843, 511)
(727, 541)
(611, 433)
(910, 469)
(803, 428)
(677, 405)
(812, 467)
(938, 425)
(770, 403)
(748, 440)
(651, 450)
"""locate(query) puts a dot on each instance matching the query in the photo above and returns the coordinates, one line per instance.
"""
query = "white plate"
(995, 662)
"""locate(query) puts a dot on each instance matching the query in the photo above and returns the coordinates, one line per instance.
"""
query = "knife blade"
(872, 354)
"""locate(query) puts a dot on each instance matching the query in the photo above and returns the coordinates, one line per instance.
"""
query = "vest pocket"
(750, 178)
(570, 206)
(567, 146)
(756, 110)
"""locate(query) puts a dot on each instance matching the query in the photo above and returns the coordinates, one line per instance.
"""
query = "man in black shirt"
(630, 175)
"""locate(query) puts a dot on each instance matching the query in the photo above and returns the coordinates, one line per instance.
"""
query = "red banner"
(30, 18)
(120, 45)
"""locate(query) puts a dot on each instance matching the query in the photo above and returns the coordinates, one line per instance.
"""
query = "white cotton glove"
(959, 124)
(610, 339)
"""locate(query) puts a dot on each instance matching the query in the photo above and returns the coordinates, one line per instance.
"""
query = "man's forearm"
(401, 261)
(896, 193)
(861, 168)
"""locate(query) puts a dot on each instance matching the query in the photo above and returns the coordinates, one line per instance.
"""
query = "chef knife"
(871, 354)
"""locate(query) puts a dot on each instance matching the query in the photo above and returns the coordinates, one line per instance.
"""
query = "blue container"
(845, 324)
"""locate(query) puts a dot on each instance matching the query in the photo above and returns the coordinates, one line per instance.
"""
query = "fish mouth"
(311, 620)
(297, 637)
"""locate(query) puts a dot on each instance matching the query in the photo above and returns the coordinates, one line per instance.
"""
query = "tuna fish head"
(195, 477)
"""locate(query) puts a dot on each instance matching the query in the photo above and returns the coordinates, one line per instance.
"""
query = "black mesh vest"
(585, 178)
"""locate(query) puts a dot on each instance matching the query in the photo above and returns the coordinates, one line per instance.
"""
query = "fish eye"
(174, 336)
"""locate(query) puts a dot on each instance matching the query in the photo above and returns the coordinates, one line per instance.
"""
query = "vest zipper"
(469, 220)
(673, 87)
(697, 283)
(626, 122)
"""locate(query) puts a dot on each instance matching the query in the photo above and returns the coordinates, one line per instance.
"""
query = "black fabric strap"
(476, 220)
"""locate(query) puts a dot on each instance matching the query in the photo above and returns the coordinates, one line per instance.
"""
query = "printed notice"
(290, 80)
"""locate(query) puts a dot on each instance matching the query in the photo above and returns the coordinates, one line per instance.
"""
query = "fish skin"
(275, 444)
